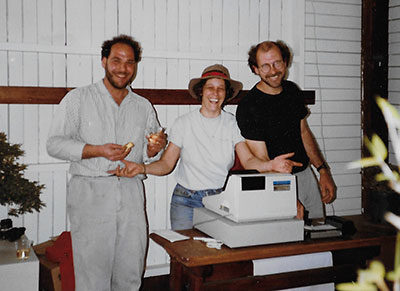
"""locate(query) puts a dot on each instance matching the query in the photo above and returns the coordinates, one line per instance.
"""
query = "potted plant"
(17, 192)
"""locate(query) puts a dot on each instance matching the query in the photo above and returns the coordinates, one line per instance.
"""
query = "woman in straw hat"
(205, 141)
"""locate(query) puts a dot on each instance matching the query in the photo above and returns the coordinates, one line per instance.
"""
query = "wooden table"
(197, 267)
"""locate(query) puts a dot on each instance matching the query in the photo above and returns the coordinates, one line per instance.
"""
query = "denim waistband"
(182, 191)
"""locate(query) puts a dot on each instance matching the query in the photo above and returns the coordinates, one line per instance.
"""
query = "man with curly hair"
(272, 118)
(107, 213)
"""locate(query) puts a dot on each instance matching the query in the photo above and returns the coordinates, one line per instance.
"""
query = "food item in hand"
(154, 136)
(128, 146)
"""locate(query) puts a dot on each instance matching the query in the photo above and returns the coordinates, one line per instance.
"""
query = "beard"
(271, 82)
(116, 85)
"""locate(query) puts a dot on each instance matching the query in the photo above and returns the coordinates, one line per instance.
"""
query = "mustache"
(273, 75)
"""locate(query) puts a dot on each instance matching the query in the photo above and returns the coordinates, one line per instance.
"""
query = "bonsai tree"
(17, 192)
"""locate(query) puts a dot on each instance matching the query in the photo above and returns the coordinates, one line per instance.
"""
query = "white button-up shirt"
(89, 115)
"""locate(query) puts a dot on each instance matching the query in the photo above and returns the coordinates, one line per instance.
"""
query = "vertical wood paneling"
(195, 30)
(31, 141)
(45, 228)
(275, 19)
(263, 20)
(230, 26)
(79, 70)
(124, 16)
(59, 196)
(44, 21)
(111, 18)
(148, 23)
(206, 28)
(183, 73)
(217, 22)
(183, 25)
(31, 219)
(14, 19)
(45, 75)
(45, 118)
(58, 23)
(248, 25)
(15, 73)
(30, 72)
(171, 22)
(59, 71)
(3, 20)
(160, 23)
(98, 22)
(78, 20)
(30, 18)
(137, 20)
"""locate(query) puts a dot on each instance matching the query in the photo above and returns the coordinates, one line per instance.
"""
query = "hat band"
(214, 73)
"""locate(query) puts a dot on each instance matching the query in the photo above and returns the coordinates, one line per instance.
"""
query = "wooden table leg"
(176, 282)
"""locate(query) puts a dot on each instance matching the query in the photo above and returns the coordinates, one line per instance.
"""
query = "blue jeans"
(182, 204)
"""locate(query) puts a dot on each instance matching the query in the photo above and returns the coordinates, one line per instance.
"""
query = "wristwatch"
(324, 165)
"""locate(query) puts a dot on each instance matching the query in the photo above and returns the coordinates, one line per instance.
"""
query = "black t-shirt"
(275, 119)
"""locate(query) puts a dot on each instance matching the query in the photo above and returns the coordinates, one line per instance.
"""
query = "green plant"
(17, 192)
(373, 278)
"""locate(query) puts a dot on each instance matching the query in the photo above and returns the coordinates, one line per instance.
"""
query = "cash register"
(253, 209)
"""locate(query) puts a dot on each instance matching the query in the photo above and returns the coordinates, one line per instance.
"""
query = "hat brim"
(236, 86)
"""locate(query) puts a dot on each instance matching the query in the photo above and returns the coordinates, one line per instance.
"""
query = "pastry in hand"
(128, 146)
(154, 136)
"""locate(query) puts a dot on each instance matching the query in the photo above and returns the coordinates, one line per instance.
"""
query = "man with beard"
(107, 213)
(272, 119)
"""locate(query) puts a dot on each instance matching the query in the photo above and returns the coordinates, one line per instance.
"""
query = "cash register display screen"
(253, 183)
(281, 185)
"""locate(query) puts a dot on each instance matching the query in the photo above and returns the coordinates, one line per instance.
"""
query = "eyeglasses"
(266, 68)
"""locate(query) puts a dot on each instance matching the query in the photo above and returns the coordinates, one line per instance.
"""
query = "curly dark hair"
(122, 38)
(266, 46)
(198, 89)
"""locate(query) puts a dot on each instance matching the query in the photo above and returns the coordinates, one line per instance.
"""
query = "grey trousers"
(309, 194)
(109, 232)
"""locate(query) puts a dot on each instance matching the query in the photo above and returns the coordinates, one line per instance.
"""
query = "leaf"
(364, 163)
(356, 287)
(382, 177)
(393, 275)
(387, 108)
(376, 147)
(377, 268)
(397, 256)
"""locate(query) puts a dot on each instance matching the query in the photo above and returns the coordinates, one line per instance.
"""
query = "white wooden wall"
(57, 43)
(332, 68)
(394, 62)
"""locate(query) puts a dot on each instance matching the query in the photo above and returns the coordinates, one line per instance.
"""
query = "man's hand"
(327, 185)
(156, 143)
(110, 151)
(130, 170)
(300, 210)
(282, 163)
(114, 152)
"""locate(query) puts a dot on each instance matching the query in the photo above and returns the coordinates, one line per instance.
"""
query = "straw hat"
(216, 71)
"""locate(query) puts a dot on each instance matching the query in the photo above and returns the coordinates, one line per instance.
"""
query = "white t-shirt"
(207, 149)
